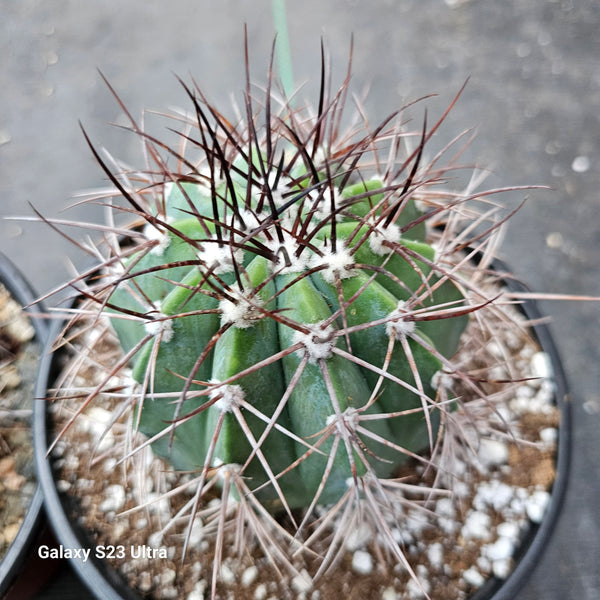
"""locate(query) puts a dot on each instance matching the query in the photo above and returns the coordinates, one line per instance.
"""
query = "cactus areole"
(281, 309)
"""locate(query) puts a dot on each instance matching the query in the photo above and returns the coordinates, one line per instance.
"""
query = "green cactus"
(288, 300)
(290, 315)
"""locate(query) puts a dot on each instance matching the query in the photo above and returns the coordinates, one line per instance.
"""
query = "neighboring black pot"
(106, 584)
(20, 549)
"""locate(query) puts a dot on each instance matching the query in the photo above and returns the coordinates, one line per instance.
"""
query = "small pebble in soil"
(362, 562)
(359, 537)
(435, 554)
(502, 568)
(145, 581)
(115, 498)
(501, 549)
(227, 575)
(302, 582)
(10, 532)
(477, 525)
(536, 505)
(249, 576)
(167, 577)
(389, 594)
(549, 435)
(420, 588)
(493, 493)
(473, 577)
(445, 507)
(63, 486)
(196, 533)
(260, 592)
(14, 482)
(492, 452)
(197, 592)
(168, 593)
(110, 464)
(541, 365)
(510, 530)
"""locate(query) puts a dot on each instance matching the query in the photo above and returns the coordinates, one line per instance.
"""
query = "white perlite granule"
(302, 582)
(477, 525)
(536, 505)
(249, 576)
(435, 554)
(362, 562)
(492, 452)
(115, 498)
(359, 537)
(473, 577)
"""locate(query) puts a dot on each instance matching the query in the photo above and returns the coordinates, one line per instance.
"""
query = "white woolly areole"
(287, 260)
(269, 181)
(320, 154)
(250, 218)
(152, 233)
(400, 326)
(336, 263)
(208, 175)
(242, 312)
(226, 471)
(163, 327)
(381, 234)
(168, 188)
(115, 272)
(441, 380)
(278, 198)
(348, 420)
(265, 188)
(317, 344)
(437, 252)
(219, 258)
(228, 396)
(323, 208)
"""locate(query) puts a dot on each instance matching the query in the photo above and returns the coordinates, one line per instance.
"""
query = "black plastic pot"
(538, 536)
(106, 584)
(20, 549)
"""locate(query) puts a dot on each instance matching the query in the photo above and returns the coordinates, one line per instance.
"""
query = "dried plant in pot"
(294, 368)
(21, 338)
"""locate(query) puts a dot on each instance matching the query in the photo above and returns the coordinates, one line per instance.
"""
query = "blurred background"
(533, 97)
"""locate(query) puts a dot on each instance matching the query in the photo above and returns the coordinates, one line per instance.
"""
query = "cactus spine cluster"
(285, 315)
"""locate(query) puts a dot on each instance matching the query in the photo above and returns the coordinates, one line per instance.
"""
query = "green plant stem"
(284, 54)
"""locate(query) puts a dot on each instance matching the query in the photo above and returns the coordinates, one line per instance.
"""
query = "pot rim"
(533, 544)
(106, 584)
(22, 291)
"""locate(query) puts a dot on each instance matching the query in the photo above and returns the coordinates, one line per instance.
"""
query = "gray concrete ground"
(533, 96)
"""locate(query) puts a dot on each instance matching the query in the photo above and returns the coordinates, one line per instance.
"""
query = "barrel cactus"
(289, 316)
(288, 297)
